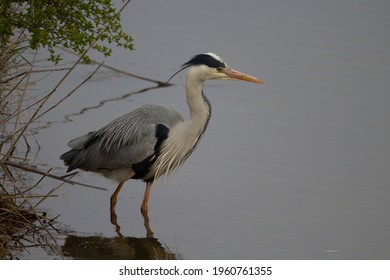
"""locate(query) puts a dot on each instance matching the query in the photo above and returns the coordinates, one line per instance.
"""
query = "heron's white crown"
(215, 56)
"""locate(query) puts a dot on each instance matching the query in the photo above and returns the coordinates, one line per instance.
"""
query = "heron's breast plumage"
(175, 150)
(182, 140)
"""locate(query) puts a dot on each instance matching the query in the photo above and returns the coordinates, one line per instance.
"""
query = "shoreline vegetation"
(23, 224)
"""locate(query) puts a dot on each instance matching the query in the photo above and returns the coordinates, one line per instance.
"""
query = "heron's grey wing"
(127, 141)
(79, 142)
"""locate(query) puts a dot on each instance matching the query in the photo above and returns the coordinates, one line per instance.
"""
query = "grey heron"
(153, 140)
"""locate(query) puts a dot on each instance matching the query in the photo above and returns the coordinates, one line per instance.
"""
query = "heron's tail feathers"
(69, 161)
(73, 158)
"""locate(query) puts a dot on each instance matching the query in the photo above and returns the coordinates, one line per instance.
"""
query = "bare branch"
(37, 171)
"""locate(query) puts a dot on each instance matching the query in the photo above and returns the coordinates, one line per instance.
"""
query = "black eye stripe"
(205, 59)
(202, 59)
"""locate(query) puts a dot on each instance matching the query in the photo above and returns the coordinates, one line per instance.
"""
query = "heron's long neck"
(185, 136)
(199, 105)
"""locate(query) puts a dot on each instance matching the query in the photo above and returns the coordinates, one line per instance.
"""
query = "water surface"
(295, 169)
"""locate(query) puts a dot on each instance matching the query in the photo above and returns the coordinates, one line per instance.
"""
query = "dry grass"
(21, 224)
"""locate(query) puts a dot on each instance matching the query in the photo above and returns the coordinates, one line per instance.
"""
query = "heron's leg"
(115, 195)
(144, 205)
(114, 221)
(149, 232)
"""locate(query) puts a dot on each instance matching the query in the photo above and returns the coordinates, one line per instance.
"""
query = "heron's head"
(209, 66)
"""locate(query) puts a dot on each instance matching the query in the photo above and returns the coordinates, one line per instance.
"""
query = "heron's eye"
(219, 69)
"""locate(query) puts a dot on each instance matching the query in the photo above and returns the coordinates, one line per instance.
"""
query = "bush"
(74, 24)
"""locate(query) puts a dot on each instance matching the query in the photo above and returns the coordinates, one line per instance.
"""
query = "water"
(294, 169)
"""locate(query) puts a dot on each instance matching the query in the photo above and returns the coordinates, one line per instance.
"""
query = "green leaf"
(75, 24)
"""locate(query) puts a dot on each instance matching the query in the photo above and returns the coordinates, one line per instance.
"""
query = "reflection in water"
(70, 117)
(105, 248)
(114, 221)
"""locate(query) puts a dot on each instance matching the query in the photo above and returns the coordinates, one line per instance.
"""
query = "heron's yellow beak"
(237, 75)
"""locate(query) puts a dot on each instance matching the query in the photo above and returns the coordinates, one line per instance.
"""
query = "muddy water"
(294, 169)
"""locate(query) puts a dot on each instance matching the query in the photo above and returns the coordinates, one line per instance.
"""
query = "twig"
(70, 93)
(34, 170)
(7, 172)
(159, 83)
(49, 193)
(32, 196)
(37, 183)
(33, 71)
